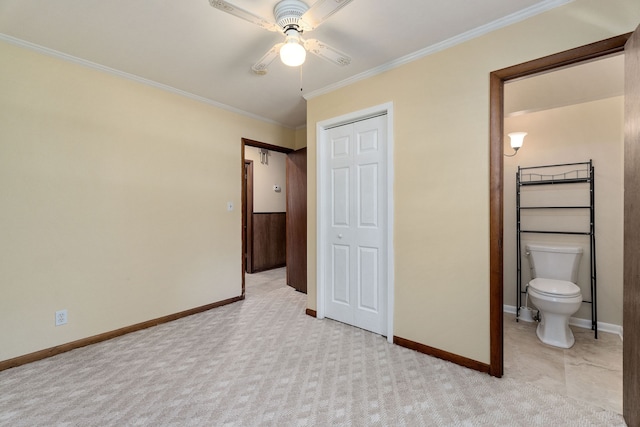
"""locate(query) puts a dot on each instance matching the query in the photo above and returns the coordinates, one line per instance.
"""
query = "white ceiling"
(584, 82)
(189, 46)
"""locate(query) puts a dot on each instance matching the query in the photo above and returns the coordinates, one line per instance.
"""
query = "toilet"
(554, 291)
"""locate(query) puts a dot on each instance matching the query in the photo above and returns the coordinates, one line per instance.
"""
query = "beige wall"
(577, 133)
(301, 138)
(441, 107)
(265, 176)
(114, 201)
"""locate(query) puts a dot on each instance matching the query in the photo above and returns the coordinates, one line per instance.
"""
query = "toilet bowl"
(554, 292)
(557, 301)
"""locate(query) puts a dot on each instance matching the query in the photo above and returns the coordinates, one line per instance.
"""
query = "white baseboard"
(581, 323)
(511, 309)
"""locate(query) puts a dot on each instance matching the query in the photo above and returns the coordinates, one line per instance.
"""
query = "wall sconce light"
(517, 138)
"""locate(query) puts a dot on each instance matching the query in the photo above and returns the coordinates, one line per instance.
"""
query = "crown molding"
(461, 38)
(70, 58)
(445, 44)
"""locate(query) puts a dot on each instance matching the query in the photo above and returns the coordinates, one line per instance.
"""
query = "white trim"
(445, 44)
(461, 38)
(511, 309)
(581, 323)
(602, 327)
(70, 58)
(390, 224)
(321, 135)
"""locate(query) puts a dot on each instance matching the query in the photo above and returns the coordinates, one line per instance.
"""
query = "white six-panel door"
(355, 219)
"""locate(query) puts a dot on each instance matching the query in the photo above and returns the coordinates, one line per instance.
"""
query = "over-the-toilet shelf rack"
(582, 172)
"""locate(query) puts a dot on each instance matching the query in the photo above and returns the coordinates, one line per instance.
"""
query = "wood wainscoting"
(268, 241)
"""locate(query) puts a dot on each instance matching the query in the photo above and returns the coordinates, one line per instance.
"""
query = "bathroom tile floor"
(591, 370)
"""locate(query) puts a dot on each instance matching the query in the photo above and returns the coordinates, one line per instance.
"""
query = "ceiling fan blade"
(260, 67)
(244, 14)
(327, 52)
(320, 12)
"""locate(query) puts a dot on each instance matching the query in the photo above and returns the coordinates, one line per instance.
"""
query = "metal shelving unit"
(535, 176)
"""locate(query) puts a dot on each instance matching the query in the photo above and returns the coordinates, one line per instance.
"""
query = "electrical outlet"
(61, 317)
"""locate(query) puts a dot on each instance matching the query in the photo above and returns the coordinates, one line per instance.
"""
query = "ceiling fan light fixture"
(293, 17)
(292, 53)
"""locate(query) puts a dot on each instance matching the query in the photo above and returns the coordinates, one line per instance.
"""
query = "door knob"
(339, 236)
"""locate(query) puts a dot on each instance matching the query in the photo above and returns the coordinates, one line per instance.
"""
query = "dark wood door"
(297, 220)
(631, 307)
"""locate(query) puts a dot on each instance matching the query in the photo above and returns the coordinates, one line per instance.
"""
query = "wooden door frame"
(591, 51)
(251, 143)
(631, 291)
(247, 218)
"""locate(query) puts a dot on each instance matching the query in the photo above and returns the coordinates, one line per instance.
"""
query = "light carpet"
(262, 361)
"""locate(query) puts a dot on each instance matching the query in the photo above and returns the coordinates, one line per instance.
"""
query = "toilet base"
(554, 330)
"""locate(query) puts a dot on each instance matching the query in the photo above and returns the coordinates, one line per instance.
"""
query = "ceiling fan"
(293, 17)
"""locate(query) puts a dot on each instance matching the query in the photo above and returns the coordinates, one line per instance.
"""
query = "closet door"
(355, 219)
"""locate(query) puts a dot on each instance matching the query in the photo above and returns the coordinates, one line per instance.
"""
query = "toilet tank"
(554, 262)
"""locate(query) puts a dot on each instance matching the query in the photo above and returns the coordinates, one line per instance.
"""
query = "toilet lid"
(556, 288)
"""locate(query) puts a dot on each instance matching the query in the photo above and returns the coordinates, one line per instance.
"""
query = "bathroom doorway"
(498, 79)
(571, 115)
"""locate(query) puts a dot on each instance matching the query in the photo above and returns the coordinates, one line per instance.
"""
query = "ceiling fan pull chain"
(301, 78)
